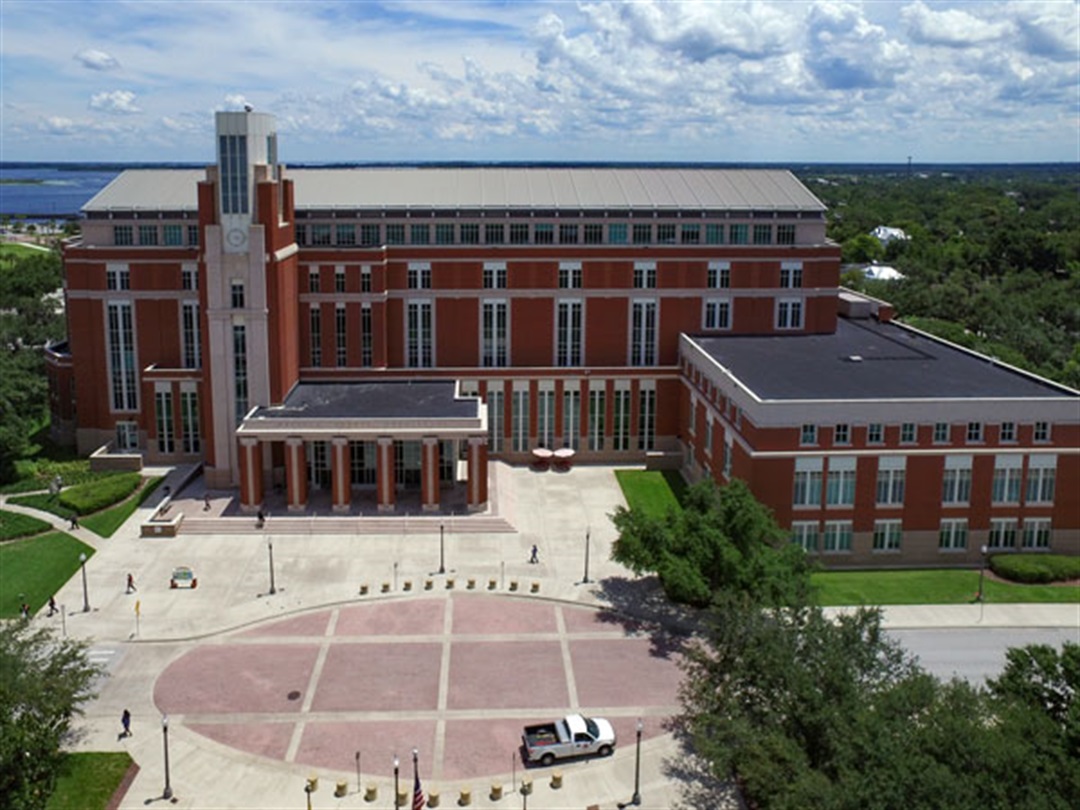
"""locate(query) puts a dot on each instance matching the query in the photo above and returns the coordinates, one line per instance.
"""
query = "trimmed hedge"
(85, 499)
(1035, 568)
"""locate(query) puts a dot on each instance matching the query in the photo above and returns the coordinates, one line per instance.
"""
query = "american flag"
(418, 800)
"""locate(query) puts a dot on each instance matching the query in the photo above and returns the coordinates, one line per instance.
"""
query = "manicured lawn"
(931, 587)
(45, 502)
(651, 491)
(33, 570)
(15, 524)
(107, 521)
(88, 780)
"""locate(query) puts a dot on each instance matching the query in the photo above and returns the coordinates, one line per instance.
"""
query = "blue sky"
(472, 80)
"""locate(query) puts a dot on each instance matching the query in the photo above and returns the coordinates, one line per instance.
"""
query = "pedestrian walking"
(206, 502)
(74, 522)
(52, 605)
(131, 584)
(125, 721)
(535, 557)
(24, 610)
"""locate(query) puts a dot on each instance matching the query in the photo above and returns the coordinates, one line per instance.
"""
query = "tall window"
(117, 277)
(956, 480)
(836, 539)
(189, 277)
(1007, 474)
(617, 233)
(166, 441)
(594, 233)
(1007, 432)
(320, 234)
(395, 234)
(420, 234)
(444, 233)
(808, 435)
(236, 295)
(646, 418)
(785, 234)
(875, 433)
(419, 352)
(804, 534)
(643, 333)
(645, 275)
(365, 336)
(642, 233)
(840, 486)
(571, 418)
(148, 235)
(620, 434)
(762, 234)
(496, 402)
(1041, 432)
(908, 433)
(419, 276)
(545, 417)
(127, 435)
(315, 319)
(1037, 533)
(941, 433)
(714, 234)
(519, 233)
(189, 328)
(494, 233)
(345, 234)
(1002, 533)
(494, 316)
(568, 234)
(665, 233)
(313, 279)
(690, 234)
(470, 233)
(890, 481)
(365, 279)
(193, 235)
(789, 313)
(341, 356)
(952, 535)
(494, 275)
(240, 371)
(974, 432)
(339, 279)
(807, 488)
(568, 317)
(738, 234)
(234, 174)
(189, 422)
(519, 420)
(718, 275)
(717, 313)
(887, 535)
(369, 235)
(842, 433)
(122, 359)
(123, 235)
(362, 463)
(597, 416)
(1040, 479)
(791, 274)
(569, 275)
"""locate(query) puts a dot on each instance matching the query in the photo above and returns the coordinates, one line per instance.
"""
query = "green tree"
(723, 539)
(44, 682)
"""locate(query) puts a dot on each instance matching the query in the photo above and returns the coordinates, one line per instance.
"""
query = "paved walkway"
(265, 689)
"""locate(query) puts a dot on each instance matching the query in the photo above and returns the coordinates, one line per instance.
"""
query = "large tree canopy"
(44, 681)
(723, 539)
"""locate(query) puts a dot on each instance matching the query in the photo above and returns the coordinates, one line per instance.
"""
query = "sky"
(476, 80)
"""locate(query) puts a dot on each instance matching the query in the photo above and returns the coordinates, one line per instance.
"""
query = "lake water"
(49, 191)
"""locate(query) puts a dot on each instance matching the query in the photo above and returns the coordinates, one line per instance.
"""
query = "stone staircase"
(345, 525)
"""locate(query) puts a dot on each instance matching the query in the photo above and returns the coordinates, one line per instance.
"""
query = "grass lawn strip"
(16, 524)
(654, 492)
(88, 780)
(33, 570)
(106, 522)
(929, 587)
(36, 473)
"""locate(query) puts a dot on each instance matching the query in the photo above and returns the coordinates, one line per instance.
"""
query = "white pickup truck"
(572, 736)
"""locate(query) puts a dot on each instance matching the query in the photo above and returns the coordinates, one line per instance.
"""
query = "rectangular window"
(395, 234)
(617, 233)
(1040, 479)
(519, 233)
(643, 333)
(470, 233)
(807, 489)
(191, 353)
(365, 279)
(174, 235)
(1037, 533)
(369, 235)
(569, 275)
(193, 235)
(166, 441)
(122, 358)
(717, 313)
(836, 539)
(315, 320)
(127, 435)
(320, 234)
(789, 313)
(494, 330)
(494, 276)
(953, 535)
(568, 320)
(123, 235)
(339, 279)
(642, 233)
(1041, 432)
(646, 418)
(890, 485)
(620, 433)
(571, 418)
(301, 234)
(313, 279)
(840, 483)
(597, 418)
(519, 420)
(233, 173)
(785, 234)
(117, 277)
(665, 233)
(1007, 434)
(341, 335)
(444, 233)
(189, 277)
(1002, 533)
(908, 433)
(496, 402)
(690, 235)
(420, 234)
(791, 275)
(875, 433)
(419, 276)
(365, 336)
(236, 295)
(419, 351)
(956, 480)
(941, 433)
(718, 276)
(974, 432)
(1007, 475)
(568, 234)
(190, 434)
(345, 234)
(727, 459)
(887, 535)
(362, 463)
(762, 234)
(842, 434)
(645, 275)
(594, 233)
(714, 234)
(805, 535)
(808, 435)
(240, 375)
(544, 233)
(739, 234)
(494, 233)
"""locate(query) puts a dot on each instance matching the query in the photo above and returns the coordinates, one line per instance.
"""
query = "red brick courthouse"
(371, 331)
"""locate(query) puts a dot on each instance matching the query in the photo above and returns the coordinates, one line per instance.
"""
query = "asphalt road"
(975, 653)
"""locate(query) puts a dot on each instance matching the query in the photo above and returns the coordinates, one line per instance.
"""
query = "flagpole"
(418, 795)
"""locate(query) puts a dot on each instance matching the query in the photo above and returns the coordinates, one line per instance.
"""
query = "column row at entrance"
(296, 474)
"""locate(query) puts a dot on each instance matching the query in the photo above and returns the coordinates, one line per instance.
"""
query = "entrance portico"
(388, 436)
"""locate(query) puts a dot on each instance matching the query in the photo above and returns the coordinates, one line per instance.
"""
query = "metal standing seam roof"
(488, 187)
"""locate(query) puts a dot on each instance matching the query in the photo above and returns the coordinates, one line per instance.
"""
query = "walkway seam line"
(568, 663)
(313, 682)
(444, 691)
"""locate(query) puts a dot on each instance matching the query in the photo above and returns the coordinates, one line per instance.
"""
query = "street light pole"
(636, 800)
(982, 572)
(442, 549)
(270, 548)
(85, 593)
(358, 788)
(585, 580)
(168, 794)
(397, 804)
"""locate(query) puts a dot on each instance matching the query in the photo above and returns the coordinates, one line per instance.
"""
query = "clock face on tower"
(237, 237)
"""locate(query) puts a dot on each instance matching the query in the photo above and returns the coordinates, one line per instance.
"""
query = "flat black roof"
(372, 400)
(894, 363)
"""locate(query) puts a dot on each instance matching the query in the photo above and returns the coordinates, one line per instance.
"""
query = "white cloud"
(96, 60)
(954, 28)
(116, 101)
(57, 125)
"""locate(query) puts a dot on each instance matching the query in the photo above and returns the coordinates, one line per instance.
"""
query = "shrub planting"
(1035, 568)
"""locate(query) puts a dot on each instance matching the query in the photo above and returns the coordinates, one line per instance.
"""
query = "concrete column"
(341, 473)
(296, 482)
(429, 475)
(251, 475)
(384, 474)
(478, 473)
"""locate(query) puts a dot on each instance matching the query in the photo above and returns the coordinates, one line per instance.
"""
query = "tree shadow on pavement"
(641, 608)
(698, 786)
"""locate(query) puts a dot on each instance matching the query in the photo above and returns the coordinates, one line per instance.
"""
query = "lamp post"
(358, 788)
(397, 804)
(982, 572)
(585, 580)
(168, 794)
(270, 548)
(442, 549)
(636, 800)
(85, 593)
